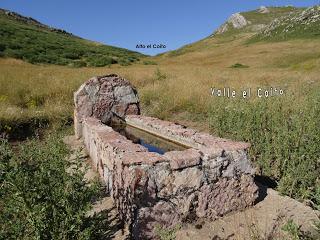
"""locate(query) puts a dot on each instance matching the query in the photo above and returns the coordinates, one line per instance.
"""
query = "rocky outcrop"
(236, 21)
(263, 9)
(105, 98)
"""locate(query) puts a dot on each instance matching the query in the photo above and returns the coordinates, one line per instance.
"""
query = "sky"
(128, 23)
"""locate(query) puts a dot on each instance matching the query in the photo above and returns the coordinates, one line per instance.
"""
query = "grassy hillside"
(27, 39)
(301, 24)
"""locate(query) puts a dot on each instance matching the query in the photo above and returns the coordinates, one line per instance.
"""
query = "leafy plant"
(39, 198)
(167, 233)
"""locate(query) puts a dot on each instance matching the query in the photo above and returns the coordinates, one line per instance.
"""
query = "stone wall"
(212, 177)
(149, 188)
(105, 98)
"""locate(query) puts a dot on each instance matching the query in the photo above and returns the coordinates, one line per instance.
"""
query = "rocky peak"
(263, 9)
(236, 21)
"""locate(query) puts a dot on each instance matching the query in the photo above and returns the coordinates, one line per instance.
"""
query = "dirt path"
(262, 221)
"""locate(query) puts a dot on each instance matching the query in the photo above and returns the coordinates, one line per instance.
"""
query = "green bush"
(39, 199)
(2, 47)
(101, 61)
(124, 62)
(149, 63)
(79, 64)
(167, 233)
(72, 55)
(159, 76)
(239, 65)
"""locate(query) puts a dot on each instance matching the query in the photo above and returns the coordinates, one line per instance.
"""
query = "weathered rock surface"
(187, 136)
(236, 21)
(105, 98)
(263, 9)
(183, 159)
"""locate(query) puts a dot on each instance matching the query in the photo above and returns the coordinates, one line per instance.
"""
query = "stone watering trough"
(191, 175)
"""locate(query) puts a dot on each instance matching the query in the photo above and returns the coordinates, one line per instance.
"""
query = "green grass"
(36, 44)
(265, 18)
(285, 139)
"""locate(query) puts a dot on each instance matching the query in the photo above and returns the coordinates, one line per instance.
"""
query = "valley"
(38, 77)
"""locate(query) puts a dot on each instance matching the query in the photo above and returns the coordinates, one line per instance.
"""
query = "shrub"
(62, 61)
(159, 76)
(239, 65)
(39, 199)
(101, 61)
(72, 55)
(2, 47)
(124, 62)
(166, 233)
(79, 64)
(149, 63)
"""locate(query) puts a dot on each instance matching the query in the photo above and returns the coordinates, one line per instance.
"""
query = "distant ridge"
(32, 21)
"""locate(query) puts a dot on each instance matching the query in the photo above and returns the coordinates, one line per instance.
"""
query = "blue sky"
(126, 23)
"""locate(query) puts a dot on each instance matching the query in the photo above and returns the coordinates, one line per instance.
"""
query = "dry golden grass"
(290, 65)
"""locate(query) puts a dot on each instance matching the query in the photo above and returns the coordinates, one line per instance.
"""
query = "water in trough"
(152, 142)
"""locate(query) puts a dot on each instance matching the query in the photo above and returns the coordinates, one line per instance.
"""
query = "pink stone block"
(183, 159)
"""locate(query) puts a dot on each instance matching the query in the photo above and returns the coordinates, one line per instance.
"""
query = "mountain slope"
(263, 24)
(25, 38)
(299, 24)
(253, 21)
